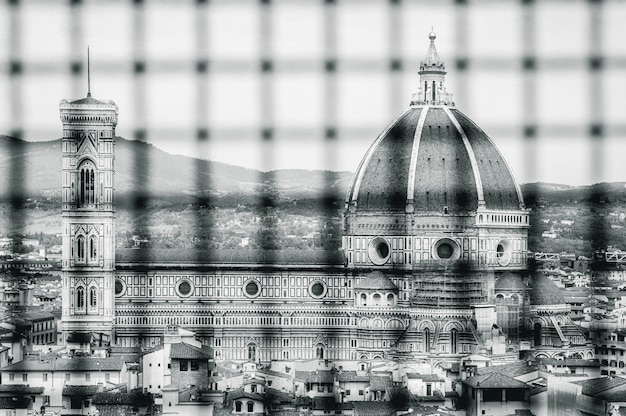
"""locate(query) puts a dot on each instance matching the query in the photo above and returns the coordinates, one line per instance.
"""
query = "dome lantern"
(432, 87)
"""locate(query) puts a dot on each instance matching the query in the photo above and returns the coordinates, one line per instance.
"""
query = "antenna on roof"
(88, 75)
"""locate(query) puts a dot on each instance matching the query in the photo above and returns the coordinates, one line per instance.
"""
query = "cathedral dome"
(544, 292)
(376, 281)
(433, 158)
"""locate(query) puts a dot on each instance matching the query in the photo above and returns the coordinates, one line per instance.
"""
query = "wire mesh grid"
(214, 78)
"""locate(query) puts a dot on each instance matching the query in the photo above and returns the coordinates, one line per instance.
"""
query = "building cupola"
(432, 89)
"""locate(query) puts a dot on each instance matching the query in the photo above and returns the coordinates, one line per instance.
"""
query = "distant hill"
(36, 166)
(601, 193)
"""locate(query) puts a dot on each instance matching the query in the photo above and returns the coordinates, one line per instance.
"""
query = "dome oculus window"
(379, 251)
(251, 288)
(503, 252)
(120, 287)
(184, 288)
(446, 249)
(317, 289)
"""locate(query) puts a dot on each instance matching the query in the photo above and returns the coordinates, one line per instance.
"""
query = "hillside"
(36, 167)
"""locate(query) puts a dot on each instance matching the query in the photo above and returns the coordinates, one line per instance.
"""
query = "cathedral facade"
(433, 218)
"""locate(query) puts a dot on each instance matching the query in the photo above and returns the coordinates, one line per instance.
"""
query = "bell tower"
(88, 260)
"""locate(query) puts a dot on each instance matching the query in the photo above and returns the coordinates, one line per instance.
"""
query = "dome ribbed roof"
(545, 292)
(509, 281)
(376, 281)
(434, 156)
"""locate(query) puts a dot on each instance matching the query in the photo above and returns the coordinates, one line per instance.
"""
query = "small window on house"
(184, 365)
(360, 392)
(194, 365)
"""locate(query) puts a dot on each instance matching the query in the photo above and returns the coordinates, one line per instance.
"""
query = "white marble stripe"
(410, 190)
(472, 156)
(366, 160)
(506, 163)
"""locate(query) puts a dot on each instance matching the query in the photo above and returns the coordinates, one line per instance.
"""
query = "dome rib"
(493, 168)
(472, 156)
(358, 177)
(410, 192)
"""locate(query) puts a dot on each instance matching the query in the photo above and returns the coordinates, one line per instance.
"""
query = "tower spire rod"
(88, 75)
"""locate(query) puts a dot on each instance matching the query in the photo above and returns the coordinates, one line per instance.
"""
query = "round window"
(120, 287)
(317, 289)
(252, 288)
(184, 288)
(503, 252)
(446, 249)
(379, 251)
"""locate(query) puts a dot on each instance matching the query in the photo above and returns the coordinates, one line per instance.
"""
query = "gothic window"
(454, 341)
(363, 299)
(80, 248)
(86, 184)
(250, 406)
(427, 340)
(251, 352)
(93, 252)
(80, 297)
(319, 351)
(93, 297)
(237, 406)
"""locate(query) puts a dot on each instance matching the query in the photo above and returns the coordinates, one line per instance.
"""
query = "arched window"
(537, 334)
(434, 88)
(93, 297)
(427, 340)
(80, 248)
(454, 341)
(363, 299)
(319, 351)
(86, 184)
(252, 352)
(93, 252)
(376, 299)
(390, 299)
(250, 406)
(80, 297)
(237, 406)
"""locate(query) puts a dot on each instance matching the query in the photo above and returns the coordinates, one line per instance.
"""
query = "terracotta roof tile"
(495, 381)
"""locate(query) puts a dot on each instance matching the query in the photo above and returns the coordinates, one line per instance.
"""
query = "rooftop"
(376, 281)
(190, 352)
(81, 364)
(494, 381)
(129, 257)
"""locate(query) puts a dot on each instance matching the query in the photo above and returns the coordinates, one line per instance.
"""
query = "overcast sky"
(170, 99)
